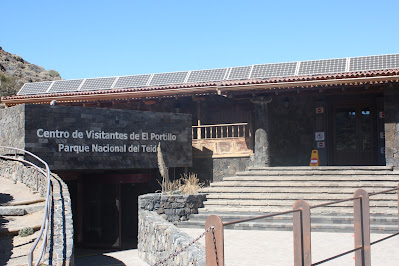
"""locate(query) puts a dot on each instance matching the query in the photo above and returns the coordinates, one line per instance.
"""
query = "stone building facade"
(253, 116)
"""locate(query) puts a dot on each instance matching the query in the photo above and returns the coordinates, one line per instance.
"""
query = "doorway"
(354, 133)
(107, 211)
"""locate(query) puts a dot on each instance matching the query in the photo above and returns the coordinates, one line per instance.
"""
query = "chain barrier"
(214, 242)
(177, 252)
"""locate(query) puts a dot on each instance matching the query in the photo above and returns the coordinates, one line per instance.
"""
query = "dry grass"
(186, 184)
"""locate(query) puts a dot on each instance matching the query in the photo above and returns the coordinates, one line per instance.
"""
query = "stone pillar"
(261, 156)
(391, 106)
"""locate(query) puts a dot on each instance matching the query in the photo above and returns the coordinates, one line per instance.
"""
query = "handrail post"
(214, 241)
(301, 230)
(362, 228)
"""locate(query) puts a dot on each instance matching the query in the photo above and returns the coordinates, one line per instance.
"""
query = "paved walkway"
(252, 247)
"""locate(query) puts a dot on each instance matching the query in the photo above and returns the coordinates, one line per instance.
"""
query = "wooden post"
(302, 238)
(214, 241)
(362, 228)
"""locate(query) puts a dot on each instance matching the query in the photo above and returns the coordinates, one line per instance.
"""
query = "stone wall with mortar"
(226, 167)
(12, 125)
(391, 107)
(59, 250)
(159, 238)
(173, 208)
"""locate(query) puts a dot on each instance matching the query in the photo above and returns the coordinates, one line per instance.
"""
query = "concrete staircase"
(275, 189)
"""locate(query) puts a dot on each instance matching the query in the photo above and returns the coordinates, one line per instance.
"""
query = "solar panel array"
(314, 67)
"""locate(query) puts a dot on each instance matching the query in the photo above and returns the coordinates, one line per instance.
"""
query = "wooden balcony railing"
(221, 131)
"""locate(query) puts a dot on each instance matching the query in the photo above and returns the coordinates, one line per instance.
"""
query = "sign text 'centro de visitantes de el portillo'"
(96, 138)
(101, 135)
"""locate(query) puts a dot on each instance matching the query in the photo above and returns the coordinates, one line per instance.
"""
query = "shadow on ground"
(5, 240)
(95, 257)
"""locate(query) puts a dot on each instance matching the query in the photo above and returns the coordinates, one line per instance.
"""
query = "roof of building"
(327, 72)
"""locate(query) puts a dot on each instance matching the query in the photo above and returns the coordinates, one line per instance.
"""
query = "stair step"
(325, 223)
(279, 202)
(321, 178)
(323, 168)
(21, 209)
(267, 209)
(286, 190)
(288, 196)
(274, 183)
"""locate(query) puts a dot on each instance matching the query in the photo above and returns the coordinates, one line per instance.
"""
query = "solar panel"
(97, 84)
(34, 88)
(374, 62)
(322, 66)
(207, 75)
(273, 70)
(132, 81)
(239, 72)
(66, 85)
(245, 72)
(168, 78)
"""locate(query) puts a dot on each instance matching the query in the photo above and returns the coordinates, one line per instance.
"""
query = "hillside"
(15, 71)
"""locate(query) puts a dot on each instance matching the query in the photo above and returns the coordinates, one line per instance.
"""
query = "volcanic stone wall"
(12, 125)
(77, 138)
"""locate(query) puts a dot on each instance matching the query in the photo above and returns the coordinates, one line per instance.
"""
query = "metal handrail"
(45, 222)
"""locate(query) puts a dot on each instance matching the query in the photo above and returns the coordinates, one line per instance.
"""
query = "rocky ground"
(15, 72)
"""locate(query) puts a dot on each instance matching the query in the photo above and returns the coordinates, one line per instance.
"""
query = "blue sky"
(86, 39)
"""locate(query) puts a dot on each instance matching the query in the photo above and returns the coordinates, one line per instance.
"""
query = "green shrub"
(54, 73)
(27, 231)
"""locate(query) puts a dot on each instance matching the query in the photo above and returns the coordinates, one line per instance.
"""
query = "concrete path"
(88, 257)
(252, 247)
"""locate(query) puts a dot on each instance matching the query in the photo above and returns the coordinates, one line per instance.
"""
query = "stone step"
(321, 178)
(23, 202)
(318, 218)
(271, 190)
(322, 168)
(275, 183)
(21, 209)
(289, 202)
(325, 223)
(296, 196)
(272, 209)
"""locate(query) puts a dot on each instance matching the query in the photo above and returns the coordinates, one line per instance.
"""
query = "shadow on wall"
(5, 240)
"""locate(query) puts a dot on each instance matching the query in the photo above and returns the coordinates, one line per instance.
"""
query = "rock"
(15, 72)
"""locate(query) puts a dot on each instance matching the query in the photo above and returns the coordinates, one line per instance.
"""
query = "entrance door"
(107, 213)
(354, 134)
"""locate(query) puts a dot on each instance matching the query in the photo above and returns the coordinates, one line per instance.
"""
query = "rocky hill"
(15, 71)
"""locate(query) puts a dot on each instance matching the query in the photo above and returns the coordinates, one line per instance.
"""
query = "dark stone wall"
(12, 124)
(225, 167)
(391, 106)
(173, 208)
(291, 137)
(78, 151)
